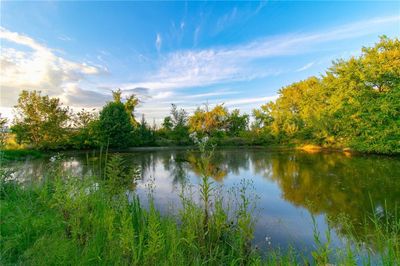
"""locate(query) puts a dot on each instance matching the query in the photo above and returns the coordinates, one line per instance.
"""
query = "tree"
(167, 124)
(237, 123)
(131, 102)
(143, 134)
(180, 130)
(205, 121)
(179, 117)
(115, 128)
(354, 104)
(365, 106)
(3, 133)
(40, 120)
(86, 129)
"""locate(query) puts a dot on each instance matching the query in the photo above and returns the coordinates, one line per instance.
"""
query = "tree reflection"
(174, 163)
(353, 187)
(216, 168)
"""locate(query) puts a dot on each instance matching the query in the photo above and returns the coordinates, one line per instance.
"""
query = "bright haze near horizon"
(187, 53)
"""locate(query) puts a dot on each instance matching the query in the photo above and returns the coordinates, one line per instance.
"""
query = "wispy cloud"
(244, 101)
(226, 20)
(305, 67)
(63, 37)
(158, 42)
(193, 68)
(196, 35)
(210, 94)
(260, 6)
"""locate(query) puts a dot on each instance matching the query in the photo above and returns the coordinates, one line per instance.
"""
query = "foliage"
(3, 136)
(354, 104)
(143, 135)
(130, 104)
(40, 120)
(115, 129)
(20, 154)
(205, 121)
(119, 175)
(237, 123)
(84, 133)
(175, 126)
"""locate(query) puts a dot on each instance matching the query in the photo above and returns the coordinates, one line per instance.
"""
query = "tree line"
(355, 103)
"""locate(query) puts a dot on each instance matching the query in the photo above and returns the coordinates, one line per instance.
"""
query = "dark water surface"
(292, 186)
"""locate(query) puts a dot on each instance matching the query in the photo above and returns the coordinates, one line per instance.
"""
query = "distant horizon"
(186, 53)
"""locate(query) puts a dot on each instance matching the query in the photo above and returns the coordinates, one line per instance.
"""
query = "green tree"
(130, 104)
(86, 129)
(354, 104)
(167, 124)
(143, 134)
(180, 130)
(115, 128)
(364, 105)
(3, 133)
(237, 123)
(40, 120)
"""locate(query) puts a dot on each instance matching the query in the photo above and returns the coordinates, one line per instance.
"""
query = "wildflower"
(268, 240)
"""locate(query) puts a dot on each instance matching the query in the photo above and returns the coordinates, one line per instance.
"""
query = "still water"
(291, 186)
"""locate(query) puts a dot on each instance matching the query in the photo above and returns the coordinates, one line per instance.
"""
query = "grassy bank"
(92, 222)
(20, 154)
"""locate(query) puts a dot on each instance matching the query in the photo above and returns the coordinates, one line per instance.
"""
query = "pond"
(292, 186)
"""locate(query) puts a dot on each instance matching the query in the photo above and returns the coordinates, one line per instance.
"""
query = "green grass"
(70, 221)
(20, 154)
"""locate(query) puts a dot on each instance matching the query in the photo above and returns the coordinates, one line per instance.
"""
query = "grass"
(77, 222)
(73, 221)
(20, 154)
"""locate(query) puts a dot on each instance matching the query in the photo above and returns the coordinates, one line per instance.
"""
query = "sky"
(187, 53)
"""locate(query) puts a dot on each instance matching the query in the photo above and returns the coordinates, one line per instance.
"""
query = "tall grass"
(74, 221)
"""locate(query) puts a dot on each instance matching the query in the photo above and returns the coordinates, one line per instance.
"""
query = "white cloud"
(158, 42)
(39, 67)
(163, 95)
(75, 96)
(35, 66)
(209, 94)
(194, 68)
(305, 67)
(251, 100)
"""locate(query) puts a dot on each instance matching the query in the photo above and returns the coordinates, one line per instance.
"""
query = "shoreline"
(21, 154)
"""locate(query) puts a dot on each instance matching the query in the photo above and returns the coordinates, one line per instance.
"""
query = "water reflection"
(291, 185)
(335, 185)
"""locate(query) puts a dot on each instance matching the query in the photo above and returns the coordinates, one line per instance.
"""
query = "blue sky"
(188, 53)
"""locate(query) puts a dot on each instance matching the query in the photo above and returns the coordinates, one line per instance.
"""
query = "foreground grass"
(70, 221)
(72, 224)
